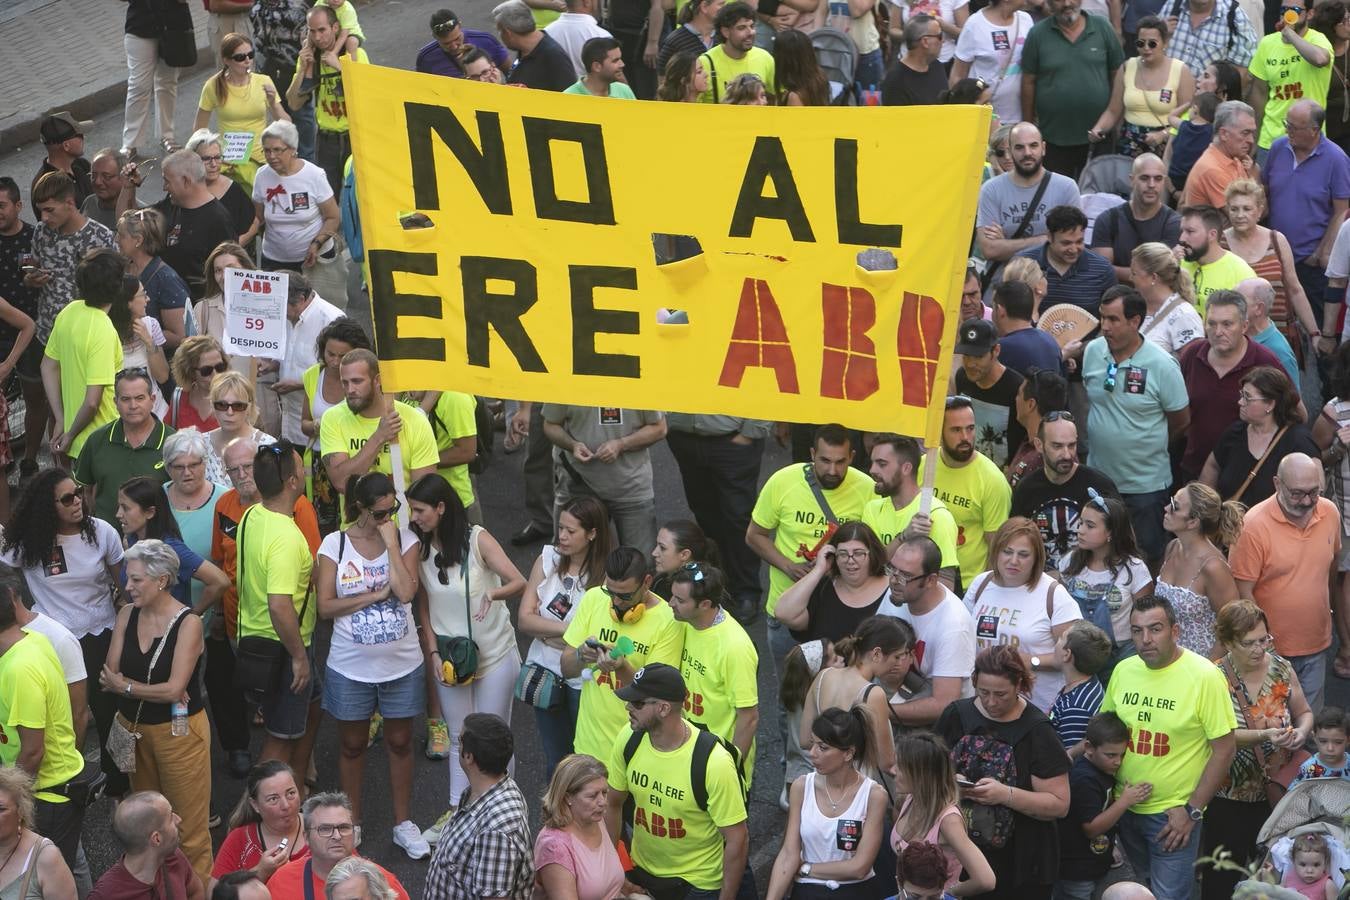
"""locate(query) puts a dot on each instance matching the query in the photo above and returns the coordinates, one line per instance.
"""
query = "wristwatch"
(1035, 662)
(128, 689)
(1195, 812)
(804, 870)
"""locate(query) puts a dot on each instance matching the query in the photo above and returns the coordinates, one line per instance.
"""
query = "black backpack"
(484, 426)
(698, 763)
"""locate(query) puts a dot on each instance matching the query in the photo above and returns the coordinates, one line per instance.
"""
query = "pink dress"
(898, 843)
(1315, 891)
(598, 872)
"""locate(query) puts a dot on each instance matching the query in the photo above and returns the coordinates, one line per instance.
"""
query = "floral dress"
(1246, 781)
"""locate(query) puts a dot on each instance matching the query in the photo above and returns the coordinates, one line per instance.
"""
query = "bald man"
(1127, 890)
(1283, 561)
(1142, 219)
(1007, 222)
(1260, 300)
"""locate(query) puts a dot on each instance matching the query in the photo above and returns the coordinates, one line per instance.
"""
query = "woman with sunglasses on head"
(140, 238)
(1147, 89)
(232, 399)
(144, 513)
(465, 580)
(678, 543)
(1195, 577)
(198, 361)
(844, 588)
(1270, 427)
(366, 580)
(241, 100)
(209, 149)
(564, 571)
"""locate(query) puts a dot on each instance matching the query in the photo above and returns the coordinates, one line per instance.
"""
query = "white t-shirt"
(378, 643)
(1017, 616)
(1119, 592)
(989, 48)
(943, 10)
(1181, 326)
(558, 602)
(73, 586)
(63, 642)
(1338, 265)
(291, 210)
(946, 636)
(135, 356)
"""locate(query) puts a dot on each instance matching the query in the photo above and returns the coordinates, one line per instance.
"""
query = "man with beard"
(1073, 275)
(736, 55)
(1138, 397)
(1213, 368)
(973, 487)
(1226, 160)
(1068, 66)
(992, 388)
(1142, 219)
(441, 56)
(357, 433)
(797, 509)
(1011, 215)
(1053, 495)
(1211, 267)
(894, 514)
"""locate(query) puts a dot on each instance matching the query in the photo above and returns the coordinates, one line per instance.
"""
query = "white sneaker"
(433, 833)
(356, 835)
(409, 837)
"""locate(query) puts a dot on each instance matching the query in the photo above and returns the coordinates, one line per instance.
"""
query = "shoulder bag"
(259, 661)
(178, 39)
(1237, 495)
(459, 654)
(121, 739)
(1277, 775)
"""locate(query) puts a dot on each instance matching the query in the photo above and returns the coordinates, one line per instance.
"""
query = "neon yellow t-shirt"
(787, 507)
(1172, 713)
(722, 70)
(720, 665)
(1224, 274)
(1289, 78)
(330, 100)
(346, 16)
(657, 638)
(33, 694)
(672, 837)
(453, 418)
(85, 343)
(343, 431)
(240, 118)
(978, 497)
(889, 523)
(273, 558)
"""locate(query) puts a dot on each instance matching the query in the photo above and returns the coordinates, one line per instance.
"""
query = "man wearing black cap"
(992, 388)
(441, 56)
(63, 136)
(689, 818)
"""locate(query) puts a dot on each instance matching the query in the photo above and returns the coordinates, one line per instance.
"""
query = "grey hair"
(112, 153)
(283, 131)
(159, 559)
(202, 137)
(1228, 112)
(326, 800)
(185, 163)
(513, 16)
(915, 29)
(1257, 290)
(1229, 298)
(189, 441)
(377, 886)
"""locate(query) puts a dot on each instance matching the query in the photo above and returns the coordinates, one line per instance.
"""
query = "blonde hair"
(1220, 520)
(1156, 259)
(572, 774)
(1023, 269)
(1245, 187)
(189, 355)
(19, 785)
(233, 381)
(146, 225)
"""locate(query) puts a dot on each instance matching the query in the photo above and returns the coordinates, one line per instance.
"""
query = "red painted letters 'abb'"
(849, 356)
(1149, 743)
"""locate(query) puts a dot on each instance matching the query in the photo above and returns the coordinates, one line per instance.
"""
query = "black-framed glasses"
(638, 704)
(213, 158)
(694, 569)
(70, 499)
(379, 515)
(219, 367)
(898, 577)
(1296, 494)
(1150, 43)
(621, 596)
(1110, 383)
(1059, 415)
(229, 406)
(860, 553)
(327, 831)
(1174, 508)
(243, 57)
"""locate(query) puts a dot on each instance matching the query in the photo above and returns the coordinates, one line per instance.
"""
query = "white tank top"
(832, 838)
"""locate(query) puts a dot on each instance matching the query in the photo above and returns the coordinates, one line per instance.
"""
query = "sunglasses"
(620, 595)
(1058, 415)
(69, 499)
(242, 57)
(379, 515)
(219, 367)
(1150, 43)
(1001, 154)
(1110, 382)
(694, 568)
(230, 406)
(445, 27)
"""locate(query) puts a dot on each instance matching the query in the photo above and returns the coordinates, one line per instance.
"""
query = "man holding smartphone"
(318, 73)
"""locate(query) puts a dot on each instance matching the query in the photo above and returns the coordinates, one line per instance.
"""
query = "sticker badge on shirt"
(1165, 95)
(1001, 40)
(560, 605)
(300, 201)
(1136, 379)
(611, 415)
(175, 234)
(847, 833)
(351, 578)
(56, 563)
(986, 628)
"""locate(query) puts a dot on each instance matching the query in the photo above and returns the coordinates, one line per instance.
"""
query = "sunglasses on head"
(620, 595)
(1058, 415)
(379, 515)
(445, 27)
(69, 499)
(1110, 383)
(242, 57)
(1150, 43)
(230, 406)
(209, 370)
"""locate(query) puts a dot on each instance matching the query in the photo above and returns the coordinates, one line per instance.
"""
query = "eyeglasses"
(214, 158)
(1149, 43)
(183, 468)
(1110, 383)
(275, 151)
(695, 569)
(379, 515)
(621, 596)
(853, 554)
(1245, 398)
(1295, 494)
(243, 57)
(1058, 415)
(1263, 642)
(70, 499)
(489, 74)
(638, 704)
(229, 406)
(327, 831)
(239, 471)
(900, 578)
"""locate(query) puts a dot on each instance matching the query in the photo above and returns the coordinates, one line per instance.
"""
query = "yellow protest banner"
(523, 244)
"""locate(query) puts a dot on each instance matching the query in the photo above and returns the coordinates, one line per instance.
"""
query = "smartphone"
(596, 645)
(281, 845)
(963, 781)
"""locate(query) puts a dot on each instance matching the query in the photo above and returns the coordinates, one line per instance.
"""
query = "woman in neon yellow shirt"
(241, 99)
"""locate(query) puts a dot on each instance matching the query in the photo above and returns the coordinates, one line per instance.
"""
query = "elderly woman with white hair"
(192, 496)
(152, 668)
(209, 149)
(357, 879)
(298, 234)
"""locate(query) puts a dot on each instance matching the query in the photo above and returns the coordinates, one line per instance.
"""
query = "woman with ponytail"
(1171, 321)
(1195, 576)
(835, 816)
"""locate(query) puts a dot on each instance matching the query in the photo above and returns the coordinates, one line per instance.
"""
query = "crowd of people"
(1105, 636)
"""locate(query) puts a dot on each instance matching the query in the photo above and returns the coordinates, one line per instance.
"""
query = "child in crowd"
(1310, 873)
(1081, 652)
(800, 667)
(1085, 839)
(1329, 733)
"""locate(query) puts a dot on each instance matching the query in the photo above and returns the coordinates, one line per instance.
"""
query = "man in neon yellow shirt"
(1290, 64)
(1182, 741)
(736, 54)
(623, 608)
(318, 72)
(1211, 267)
(719, 662)
(84, 353)
(894, 515)
(453, 422)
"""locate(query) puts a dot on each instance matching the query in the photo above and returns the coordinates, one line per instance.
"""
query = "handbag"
(538, 686)
(178, 47)
(259, 661)
(1277, 781)
(1237, 495)
(121, 739)
(459, 654)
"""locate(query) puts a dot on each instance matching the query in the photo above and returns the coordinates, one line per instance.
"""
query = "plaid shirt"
(1198, 47)
(485, 849)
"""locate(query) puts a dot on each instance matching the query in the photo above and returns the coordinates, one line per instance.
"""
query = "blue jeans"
(1146, 511)
(557, 727)
(870, 70)
(1312, 677)
(1171, 874)
(308, 128)
(1074, 890)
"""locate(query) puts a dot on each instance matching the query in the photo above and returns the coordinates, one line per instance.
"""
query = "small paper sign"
(255, 313)
(237, 144)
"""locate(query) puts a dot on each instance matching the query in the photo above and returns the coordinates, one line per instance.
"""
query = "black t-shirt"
(830, 618)
(12, 250)
(190, 235)
(993, 405)
(240, 206)
(80, 169)
(1055, 507)
(682, 40)
(1236, 461)
(902, 86)
(1032, 856)
(1082, 858)
(1118, 229)
(546, 68)
(151, 18)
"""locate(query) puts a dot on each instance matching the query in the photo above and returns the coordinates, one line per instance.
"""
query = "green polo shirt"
(107, 461)
(1073, 79)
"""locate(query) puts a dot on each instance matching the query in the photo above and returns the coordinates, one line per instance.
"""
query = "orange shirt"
(1288, 567)
(1211, 175)
(288, 882)
(224, 552)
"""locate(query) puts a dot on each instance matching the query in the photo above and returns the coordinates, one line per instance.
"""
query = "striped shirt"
(1073, 708)
(1082, 284)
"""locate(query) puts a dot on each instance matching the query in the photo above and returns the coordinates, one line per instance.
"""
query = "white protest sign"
(255, 313)
(237, 145)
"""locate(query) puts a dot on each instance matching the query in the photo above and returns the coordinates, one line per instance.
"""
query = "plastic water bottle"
(179, 727)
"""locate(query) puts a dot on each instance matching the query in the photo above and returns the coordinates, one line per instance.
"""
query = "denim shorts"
(355, 701)
(286, 714)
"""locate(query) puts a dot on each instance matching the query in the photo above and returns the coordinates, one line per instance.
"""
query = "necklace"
(829, 798)
(17, 844)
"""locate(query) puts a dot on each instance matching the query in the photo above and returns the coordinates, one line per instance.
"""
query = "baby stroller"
(1318, 805)
(838, 58)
